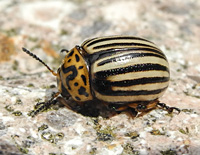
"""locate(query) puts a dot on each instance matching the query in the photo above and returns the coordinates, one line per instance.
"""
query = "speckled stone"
(46, 27)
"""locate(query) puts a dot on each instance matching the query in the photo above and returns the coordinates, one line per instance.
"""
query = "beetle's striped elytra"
(126, 69)
(123, 71)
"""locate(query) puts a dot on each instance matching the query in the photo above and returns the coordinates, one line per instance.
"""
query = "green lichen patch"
(11, 32)
(106, 134)
(17, 113)
(18, 102)
(184, 131)
(28, 142)
(52, 138)
(21, 148)
(132, 135)
(38, 100)
(15, 65)
(169, 152)
(59, 136)
(64, 32)
(57, 153)
(33, 39)
(9, 108)
(93, 151)
(188, 110)
(43, 127)
(30, 113)
(48, 136)
(1, 77)
(30, 85)
(129, 149)
(157, 132)
(186, 92)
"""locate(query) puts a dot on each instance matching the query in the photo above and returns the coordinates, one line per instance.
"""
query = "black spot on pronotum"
(77, 98)
(80, 67)
(82, 91)
(69, 60)
(83, 78)
(75, 84)
(77, 58)
(70, 54)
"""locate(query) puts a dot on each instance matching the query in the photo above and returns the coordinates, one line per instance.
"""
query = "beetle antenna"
(35, 57)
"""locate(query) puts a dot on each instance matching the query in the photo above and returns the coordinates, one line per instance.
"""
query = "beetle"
(126, 73)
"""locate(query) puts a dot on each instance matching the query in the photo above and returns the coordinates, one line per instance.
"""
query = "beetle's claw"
(167, 108)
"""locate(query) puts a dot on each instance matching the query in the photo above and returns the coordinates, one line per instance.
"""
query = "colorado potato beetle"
(124, 72)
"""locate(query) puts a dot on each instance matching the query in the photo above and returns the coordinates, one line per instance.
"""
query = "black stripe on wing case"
(127, 56)
(101, 85)
(135, 68)
(145, 80)
(120, 38)
(109, 52)
(109, 92)
(121, 44)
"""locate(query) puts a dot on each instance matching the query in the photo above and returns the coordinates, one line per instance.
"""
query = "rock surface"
(46, 27)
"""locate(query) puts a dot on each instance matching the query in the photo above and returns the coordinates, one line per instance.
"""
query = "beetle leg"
(167, 108)
(38, 105)
(117, 108)
(44, 105)
(75, 106)
(124, 108)
(153, 105)
(132, 112)
(143, 108)
(63, 102)
(150, 106)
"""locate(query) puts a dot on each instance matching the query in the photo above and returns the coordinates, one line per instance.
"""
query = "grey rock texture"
(46, 27)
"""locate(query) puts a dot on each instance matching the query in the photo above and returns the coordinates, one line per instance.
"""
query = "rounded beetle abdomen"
(127, 69)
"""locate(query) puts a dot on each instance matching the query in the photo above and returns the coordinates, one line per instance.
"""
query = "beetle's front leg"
(167, 108)
(42, 106)
(143, 108)
(123, 108)
(63, 102)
